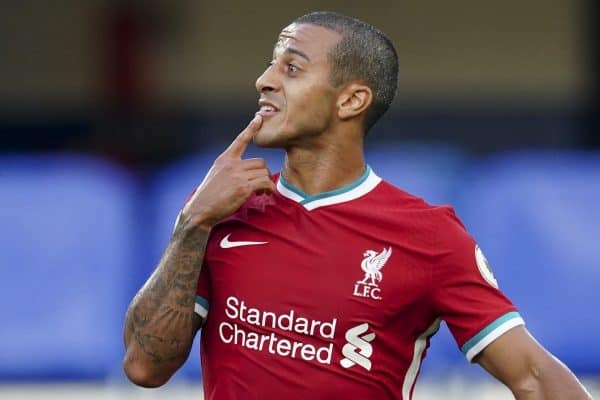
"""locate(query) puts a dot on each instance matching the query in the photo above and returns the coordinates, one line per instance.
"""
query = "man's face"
(297, 100)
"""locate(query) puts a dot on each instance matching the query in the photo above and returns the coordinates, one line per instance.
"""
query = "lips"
(267, 108)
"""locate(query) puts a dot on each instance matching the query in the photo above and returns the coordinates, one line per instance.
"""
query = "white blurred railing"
(458, 389)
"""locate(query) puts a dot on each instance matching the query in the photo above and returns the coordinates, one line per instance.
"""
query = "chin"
(266, 138)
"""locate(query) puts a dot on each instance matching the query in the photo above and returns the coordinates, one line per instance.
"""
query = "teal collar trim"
(364, 184)
(307, 198)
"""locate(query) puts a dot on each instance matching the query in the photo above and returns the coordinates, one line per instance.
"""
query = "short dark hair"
(364, 53)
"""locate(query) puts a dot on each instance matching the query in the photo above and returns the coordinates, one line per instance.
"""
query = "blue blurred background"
(111, 112)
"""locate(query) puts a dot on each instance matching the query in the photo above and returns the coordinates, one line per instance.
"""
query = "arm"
(528, 370)
(160, 324)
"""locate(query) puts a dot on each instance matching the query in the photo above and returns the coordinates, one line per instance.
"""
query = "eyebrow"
(291, 50)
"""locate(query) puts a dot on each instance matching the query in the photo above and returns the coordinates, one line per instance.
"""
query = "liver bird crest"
(373, 263)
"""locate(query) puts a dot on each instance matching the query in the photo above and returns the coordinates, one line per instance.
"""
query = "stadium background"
(112, 111)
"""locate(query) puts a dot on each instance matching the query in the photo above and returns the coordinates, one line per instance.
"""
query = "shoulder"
(389, 192)
(399, 200)
(412, 217)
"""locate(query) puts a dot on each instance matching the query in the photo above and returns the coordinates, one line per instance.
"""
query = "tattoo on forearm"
(160, 319)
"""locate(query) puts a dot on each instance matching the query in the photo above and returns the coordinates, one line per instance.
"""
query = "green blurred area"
(111, 77)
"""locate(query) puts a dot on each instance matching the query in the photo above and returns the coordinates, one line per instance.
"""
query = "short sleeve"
(465, 291)
(203, 293)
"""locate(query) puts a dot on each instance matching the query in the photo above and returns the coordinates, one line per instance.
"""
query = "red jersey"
(336, 295)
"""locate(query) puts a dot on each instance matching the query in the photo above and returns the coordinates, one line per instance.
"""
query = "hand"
(228, 183)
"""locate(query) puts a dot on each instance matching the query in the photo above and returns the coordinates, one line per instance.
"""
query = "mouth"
(267, 109)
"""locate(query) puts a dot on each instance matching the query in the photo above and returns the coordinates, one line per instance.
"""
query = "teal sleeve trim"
(203, 302)
(487, 330)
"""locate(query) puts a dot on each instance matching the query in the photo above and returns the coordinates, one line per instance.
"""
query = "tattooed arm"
(160, 324)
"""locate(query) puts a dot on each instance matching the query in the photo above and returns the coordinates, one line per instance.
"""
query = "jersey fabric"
(337, 295)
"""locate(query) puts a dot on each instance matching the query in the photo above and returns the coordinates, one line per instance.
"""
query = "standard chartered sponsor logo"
(235, 331)
(358, 350)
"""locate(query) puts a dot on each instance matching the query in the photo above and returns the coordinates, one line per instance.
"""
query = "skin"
(319, 125)
(321, 128)
(160, 324)
(528, 370)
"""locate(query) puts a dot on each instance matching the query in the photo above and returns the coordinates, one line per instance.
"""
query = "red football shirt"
(336, 295)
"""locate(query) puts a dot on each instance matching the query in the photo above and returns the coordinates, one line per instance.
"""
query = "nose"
(267, 82)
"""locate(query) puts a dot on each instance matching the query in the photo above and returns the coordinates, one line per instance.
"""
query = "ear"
(353, 100)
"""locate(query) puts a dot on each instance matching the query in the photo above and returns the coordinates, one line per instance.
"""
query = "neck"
(324, 167)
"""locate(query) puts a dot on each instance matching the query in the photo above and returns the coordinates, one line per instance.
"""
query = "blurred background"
(112, 111)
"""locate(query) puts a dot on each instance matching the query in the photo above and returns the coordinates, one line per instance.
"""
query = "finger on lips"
(240, 143)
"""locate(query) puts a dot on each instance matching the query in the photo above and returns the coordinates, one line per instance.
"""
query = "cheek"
(313, 109)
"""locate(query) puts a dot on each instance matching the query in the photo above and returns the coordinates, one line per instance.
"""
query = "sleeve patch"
(201, 307)
(484, 267)
(490, 333)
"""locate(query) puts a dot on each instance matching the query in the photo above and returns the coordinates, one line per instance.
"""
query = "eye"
(292, 68)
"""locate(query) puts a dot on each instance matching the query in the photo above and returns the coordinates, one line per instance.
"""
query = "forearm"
(529, 370)
(160, 323)
(550, 379)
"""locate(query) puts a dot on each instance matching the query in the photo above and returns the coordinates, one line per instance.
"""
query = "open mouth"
(267, 109)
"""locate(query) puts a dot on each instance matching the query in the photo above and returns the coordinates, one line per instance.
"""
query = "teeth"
(267, 108)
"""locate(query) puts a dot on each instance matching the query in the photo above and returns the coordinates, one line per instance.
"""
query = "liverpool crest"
(371, 265)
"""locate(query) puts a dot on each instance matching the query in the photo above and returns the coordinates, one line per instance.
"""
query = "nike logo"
(227, 244)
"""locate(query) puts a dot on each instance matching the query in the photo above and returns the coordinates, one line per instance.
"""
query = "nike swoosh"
(227, 244)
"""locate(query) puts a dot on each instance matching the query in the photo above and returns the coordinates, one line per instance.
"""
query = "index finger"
(240, 143)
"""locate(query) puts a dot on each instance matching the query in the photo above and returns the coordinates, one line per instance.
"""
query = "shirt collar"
(363, 185)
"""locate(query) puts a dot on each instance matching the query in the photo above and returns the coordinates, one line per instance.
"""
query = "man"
(323, 282)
